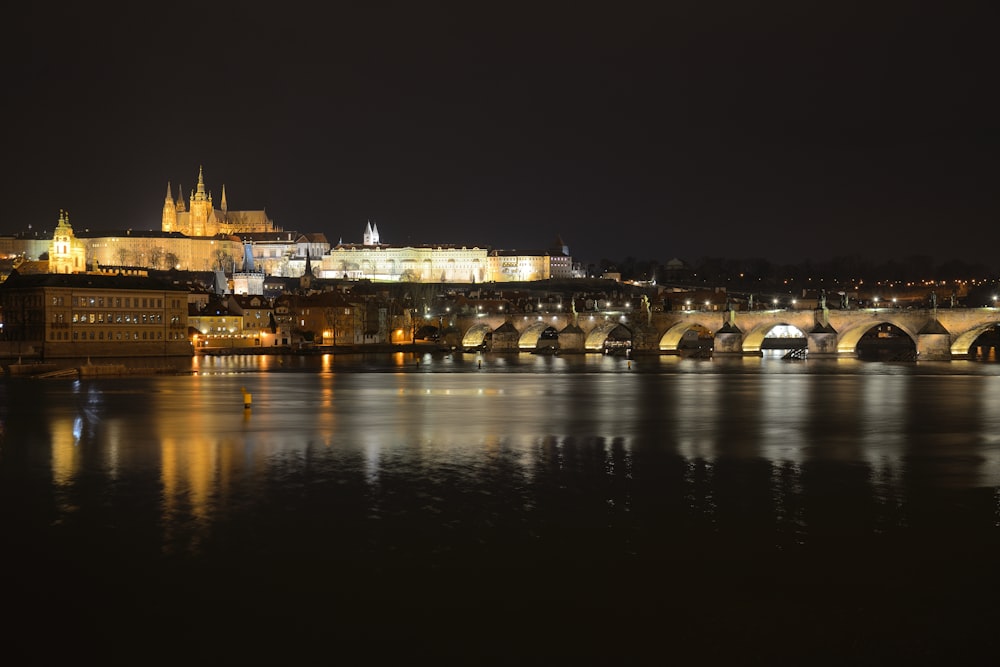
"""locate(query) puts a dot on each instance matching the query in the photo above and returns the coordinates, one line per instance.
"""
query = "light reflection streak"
(989, 428)
(66, 456)
(783, 418)
(697, 415)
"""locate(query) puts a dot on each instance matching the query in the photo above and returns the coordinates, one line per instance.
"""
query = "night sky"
(789, 131)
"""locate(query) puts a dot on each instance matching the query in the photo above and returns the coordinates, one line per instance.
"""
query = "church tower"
(202, 211)
(305, 282)
(169, 222)
(371, 234)
(67, 254)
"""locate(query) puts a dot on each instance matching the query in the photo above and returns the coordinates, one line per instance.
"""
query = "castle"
(196, 236)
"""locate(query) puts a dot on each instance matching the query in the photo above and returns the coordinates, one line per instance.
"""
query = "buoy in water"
(247, 398)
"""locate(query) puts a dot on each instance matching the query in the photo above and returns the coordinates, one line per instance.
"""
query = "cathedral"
(200, 218)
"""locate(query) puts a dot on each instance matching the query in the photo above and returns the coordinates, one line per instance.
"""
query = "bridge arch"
(598, 336)
(529, 338)
(672, 338)
(847, 341)
(962, 345)
(427, 332)
(476, 336)
(753, 340)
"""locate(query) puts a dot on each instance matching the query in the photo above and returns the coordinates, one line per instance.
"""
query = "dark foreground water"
(504, 510)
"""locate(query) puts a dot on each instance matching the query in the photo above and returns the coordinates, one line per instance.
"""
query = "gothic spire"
(200, 193)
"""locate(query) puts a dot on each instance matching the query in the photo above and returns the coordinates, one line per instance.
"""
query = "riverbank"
(132, 366)
(368, 348)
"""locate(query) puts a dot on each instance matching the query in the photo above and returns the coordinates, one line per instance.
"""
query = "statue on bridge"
(933, 300)
(646, 307)
(822, 299)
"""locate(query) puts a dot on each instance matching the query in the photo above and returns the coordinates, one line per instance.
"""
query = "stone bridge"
(936, 333)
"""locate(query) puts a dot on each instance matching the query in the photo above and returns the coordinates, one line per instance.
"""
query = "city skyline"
(790, 132)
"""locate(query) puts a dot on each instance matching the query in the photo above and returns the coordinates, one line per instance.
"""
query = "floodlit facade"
(512, 266)
(67, 254)
(443, 263)
(439, 263)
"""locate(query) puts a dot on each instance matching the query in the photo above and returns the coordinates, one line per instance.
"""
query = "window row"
(113, 335)
(110, 318)
(110, 301)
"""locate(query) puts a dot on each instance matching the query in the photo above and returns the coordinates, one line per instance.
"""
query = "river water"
(504, 509)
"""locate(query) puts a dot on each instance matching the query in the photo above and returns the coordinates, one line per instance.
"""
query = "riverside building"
(51, 315)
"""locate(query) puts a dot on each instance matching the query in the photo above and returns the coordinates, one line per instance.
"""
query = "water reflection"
(748, 446)
(588, 479)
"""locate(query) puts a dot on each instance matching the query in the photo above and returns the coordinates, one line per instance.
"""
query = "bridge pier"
(728, 342)
(645, 339)
(933, 347)
(822, 344)
(572, 339)
(505, 338)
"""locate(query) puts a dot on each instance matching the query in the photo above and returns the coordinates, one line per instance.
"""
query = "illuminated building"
(444, 263)
(200, 217)
(67, 254)
(235, 321)
(88, 315)
(248, 280)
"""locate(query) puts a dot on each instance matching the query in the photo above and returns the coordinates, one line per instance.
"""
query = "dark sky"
(790, 131)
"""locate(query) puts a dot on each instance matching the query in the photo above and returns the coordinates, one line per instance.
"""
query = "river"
(505, 509)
